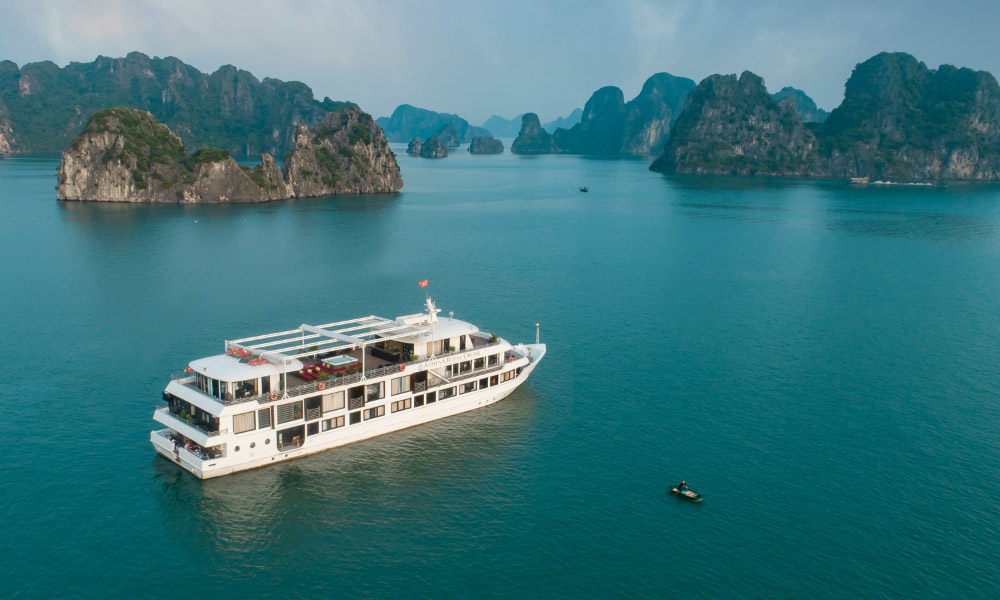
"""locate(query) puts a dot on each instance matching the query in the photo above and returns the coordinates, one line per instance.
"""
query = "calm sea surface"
(820, 361)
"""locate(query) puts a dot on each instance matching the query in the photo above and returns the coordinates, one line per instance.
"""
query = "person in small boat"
(682, 486)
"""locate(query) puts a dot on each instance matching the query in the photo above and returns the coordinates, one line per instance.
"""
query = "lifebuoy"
(402, 367)
(274, 396)
(321, 385)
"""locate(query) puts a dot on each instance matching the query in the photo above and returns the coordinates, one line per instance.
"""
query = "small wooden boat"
(689, 495)
(584, 188)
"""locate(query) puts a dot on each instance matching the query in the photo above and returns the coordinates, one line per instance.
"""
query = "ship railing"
(199, 425)
(342, 380)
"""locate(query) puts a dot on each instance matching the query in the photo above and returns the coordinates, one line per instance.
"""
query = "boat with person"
(584, 188)
(275, 397)
(681, 490)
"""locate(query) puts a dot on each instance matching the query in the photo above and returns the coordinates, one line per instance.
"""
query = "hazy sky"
(479, 58)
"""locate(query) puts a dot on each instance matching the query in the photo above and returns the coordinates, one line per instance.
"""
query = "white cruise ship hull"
(259, 448)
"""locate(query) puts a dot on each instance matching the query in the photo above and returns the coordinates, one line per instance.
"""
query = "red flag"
(423, 283)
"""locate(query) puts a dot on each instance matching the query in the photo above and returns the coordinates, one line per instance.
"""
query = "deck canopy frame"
(309, 340)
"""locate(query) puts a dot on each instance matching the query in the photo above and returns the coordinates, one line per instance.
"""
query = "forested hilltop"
(899, 120)
(43, 106)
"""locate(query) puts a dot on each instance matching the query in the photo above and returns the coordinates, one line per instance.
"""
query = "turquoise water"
(820, 361)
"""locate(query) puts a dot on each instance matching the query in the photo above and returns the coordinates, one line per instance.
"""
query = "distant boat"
(859, 180)
(584, 188)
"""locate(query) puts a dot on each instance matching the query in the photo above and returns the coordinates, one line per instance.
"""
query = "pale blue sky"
(477, 58)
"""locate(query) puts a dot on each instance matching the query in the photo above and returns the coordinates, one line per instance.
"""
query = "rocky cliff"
(414, 146)
(448, 135)
(804, 105)
(433, 148)
(125, 155)
(650, 115)
(408, 122)
(485, 144)
(608, 126)
(229, 108)
(732, 125)
(601, 128)
(345, 154)
(901, 120)
(532, 139)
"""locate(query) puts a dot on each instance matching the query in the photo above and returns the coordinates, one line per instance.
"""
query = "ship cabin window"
(494, 360)
(289, 412)
(465, 388)
(243, 422)
(245, 389)
(400, 385)
(291, 438)
(332, 402)
(431, 397)
(494, 380)
(356, 393)
(333, 423)
(465, 366)
(264, 418)
(314, 408)
(439, 347)
(375, 412)
(479, 363)
(399, 405)
(374, 391)
(461, 342)
(446, 393)
(312, 429)
(518, 371)
(506, 375)
(418, 400)
(484, 383)
(265, 385)
(355, 417)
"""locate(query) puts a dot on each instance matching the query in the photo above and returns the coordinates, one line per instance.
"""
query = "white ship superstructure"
(279, 396)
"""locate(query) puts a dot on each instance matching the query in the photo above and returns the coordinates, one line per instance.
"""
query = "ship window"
(518, 372)
(418, 401)
(494, 360)
(484, 383)
(245, 389)
(399, 405)
(314, 408)
(289, 412)
(243, 422)
(494, 380)
(312, 428)
(400, 385)
(216, 388)
(264, 418)
(375, 411)
(265, 385)
(468, 387)
(507, 375)
(446, 393)
(374, 392)
(431, 397)
(479, 363)
(333, 423)
(355, 417)
(465, 366)
(334, 401)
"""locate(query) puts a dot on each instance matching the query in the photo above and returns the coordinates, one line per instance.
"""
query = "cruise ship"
(275, 397)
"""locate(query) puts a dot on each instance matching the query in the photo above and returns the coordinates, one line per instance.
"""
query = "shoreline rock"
(126, 155)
